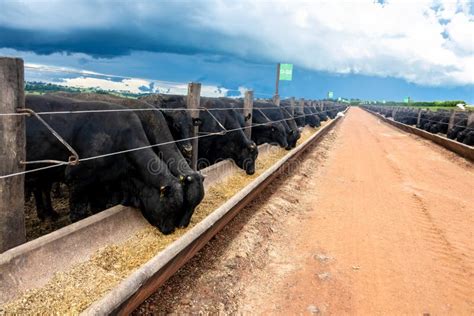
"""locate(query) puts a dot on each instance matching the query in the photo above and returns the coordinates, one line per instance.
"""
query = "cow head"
(193, 190)
(278, 135)
(159, 205)
(179, 122)
(246, 157)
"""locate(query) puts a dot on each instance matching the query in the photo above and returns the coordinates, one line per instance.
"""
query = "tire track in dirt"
(451, 260)
(395, 216)
(373, 221)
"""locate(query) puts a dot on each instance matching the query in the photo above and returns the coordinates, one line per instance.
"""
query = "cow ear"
(165, 190)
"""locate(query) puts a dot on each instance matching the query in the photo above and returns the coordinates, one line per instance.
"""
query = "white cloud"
(428, 42)
(133, 85)
(90, 79)
(402, 39)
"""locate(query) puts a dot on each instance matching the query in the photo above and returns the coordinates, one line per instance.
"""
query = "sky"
(365, 49)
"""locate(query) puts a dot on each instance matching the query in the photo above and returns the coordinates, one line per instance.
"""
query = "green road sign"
(286, 72)
(330, 94)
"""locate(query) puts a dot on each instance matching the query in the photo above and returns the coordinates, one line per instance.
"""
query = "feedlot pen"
(373, 221)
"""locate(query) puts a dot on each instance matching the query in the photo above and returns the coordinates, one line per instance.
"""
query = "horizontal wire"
(437, 122)
(134, 110)
(156, 145)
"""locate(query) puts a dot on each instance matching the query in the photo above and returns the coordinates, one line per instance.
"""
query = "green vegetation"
(34, 87)
(432, 105)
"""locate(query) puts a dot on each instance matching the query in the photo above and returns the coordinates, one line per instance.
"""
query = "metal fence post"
(12, 151)
(248, 108)
(193, 102)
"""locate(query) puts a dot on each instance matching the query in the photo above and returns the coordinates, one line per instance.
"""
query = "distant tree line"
(36, 87)
(450, 103)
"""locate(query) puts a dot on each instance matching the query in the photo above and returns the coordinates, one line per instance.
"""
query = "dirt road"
(374, 221)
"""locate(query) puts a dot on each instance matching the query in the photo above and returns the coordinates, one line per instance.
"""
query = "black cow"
(321, 114)
(233, 144)
(157, 193)
(178, 119)
(459, 124)
(310, 118)
(294, 134)
(157, 132)
(299, 117)
(266, 131)
(263, 129)
(277, 114)
(315, 112)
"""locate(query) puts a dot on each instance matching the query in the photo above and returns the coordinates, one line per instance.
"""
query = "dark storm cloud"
(124, 28)
(98, 43)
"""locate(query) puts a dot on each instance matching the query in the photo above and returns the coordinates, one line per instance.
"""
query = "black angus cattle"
(294, 130)
(459, 124)
(321, 114)
(315, 113)
(299, 117)
(266, 131)
(157, 132)
(233, 144)
(157, 193)
(434, 122)
(263, 129)
(466, 136)
(310, 118)
(178, 118)
(406, 116)
(278, 114)
(330, 108)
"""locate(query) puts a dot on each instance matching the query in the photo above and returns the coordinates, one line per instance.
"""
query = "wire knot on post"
(72, 160)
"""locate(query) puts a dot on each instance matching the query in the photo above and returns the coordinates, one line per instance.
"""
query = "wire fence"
(422, 119)
(336, 108)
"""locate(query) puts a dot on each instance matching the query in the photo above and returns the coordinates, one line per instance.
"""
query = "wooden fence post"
(394, 112)
(276, 100)
(451, 120)
(470, 118)
(248, 108)
(301, 105)
(419, 117)
(193, 102)
(12, 151)
(292, 106)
